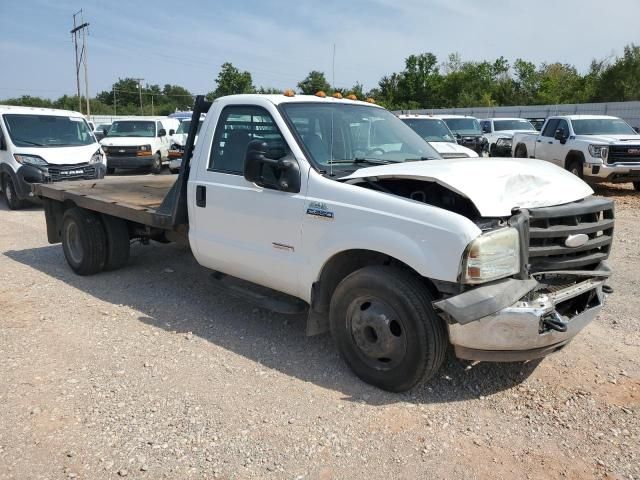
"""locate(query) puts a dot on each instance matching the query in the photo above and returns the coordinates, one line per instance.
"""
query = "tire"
(174, 171)
(492, 151)
(118, 245)
(111, 170)
(521, 151)
(83, 241)
(636, 185)
(11, 196)
(157, 164)
(393, 355)
(575, 167)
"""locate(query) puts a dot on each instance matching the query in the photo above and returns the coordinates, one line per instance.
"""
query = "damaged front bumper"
(490, 324)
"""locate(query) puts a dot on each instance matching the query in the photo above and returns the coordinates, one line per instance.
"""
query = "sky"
(280, 41)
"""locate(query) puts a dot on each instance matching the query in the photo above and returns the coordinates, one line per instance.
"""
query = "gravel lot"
(149, 372)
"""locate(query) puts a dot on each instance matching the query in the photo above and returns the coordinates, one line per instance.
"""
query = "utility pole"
(81, 58)
(140, 92)
(114, 101)
(152, 112)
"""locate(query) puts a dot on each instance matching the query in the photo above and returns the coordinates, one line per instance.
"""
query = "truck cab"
(596, 148)
(437, 133)
(337, 206)
(499, 134)
(466, 130)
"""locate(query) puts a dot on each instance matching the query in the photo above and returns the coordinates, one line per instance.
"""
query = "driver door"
(238, 227)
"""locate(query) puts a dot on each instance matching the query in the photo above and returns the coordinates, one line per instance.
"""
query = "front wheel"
(636, 185)
(385, 328)
(575, 167)
(156, 166)
(492, 151)
(13, 201)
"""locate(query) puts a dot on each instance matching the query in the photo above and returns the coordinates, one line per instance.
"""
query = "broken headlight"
(491, 256)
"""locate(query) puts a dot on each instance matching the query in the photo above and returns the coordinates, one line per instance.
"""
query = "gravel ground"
(149, 372)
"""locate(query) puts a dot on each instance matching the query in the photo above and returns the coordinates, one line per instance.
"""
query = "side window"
(550, 128)
(564, 125)
(237, 126)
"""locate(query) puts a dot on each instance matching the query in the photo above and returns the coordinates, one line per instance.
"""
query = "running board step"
(258, 295)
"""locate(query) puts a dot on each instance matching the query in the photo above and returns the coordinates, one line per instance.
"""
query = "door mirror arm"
(286, 171)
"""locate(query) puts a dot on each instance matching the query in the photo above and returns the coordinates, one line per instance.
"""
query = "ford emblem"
(575, 241)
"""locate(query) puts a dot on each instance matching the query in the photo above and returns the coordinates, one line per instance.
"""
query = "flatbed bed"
(138, 198)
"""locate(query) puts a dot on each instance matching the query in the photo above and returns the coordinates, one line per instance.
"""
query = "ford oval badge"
(575, 241)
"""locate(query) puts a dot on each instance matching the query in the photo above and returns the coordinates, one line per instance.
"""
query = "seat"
(233, 153)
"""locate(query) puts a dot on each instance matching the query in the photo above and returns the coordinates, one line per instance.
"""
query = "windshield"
(432, 130)
(48, 131)
(464, 126)
(500, 125)
(132, 128)
(335, 133)
(602, 126)
(186, 125)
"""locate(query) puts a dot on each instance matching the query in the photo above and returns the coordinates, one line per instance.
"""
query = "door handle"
(550, 143)
(201, 196)
(539, 141)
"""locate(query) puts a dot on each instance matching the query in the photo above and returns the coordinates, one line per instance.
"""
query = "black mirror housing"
(172, 131)
(286, 172)
(162, 132)
(561, 135)
(3, 143)
(105, 131)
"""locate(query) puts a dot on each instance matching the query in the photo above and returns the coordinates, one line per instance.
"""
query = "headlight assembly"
(96, 157)
(34, 160)
(504, 142)
(599, 151)
(491, 256)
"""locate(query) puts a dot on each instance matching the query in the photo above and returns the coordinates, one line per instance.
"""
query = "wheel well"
(573, 156)
(343, 264)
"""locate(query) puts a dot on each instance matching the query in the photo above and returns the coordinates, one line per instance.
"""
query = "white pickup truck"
(299, 204)
(596, 148)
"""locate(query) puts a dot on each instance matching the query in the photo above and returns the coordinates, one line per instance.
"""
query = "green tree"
(620, 81)
(231, 81)
(313, 83)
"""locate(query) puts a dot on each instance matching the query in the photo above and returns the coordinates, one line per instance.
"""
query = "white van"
(139, 142)
(42, 145)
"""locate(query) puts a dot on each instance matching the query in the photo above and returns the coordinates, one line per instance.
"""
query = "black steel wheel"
(13, 201)
(156, 167)
(386, 329)
(83, 241)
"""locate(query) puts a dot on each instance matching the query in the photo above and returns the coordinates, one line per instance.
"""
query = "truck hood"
(449, 149)
(495, 186)
(615, 139)
(62, 155)
(510, 133)
(126, 141)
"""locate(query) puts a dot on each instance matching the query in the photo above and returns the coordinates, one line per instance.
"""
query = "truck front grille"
(624, 153)
(550, 227)
(122, 151)
(71, 172)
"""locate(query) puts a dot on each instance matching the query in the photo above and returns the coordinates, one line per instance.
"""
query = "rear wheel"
(111, 170)
(386, 329)
(117, 242)
(156, 167)
(10, 194)
(83, 241)
(521, 151)
(492, 151)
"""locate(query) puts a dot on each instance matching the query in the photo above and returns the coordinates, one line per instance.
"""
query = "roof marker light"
(370, 100)
(352, 97)
(289, 93)
(320, 94)
(337, 95)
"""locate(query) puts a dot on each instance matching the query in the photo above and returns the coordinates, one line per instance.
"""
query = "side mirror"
(105, 131)
(283, 175)
(162, 132)
(561, 135)
(3, 144)
(172, 131)
(637, 129)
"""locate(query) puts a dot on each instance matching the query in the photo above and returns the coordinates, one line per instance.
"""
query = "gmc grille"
(624, 153)
(550, 227)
